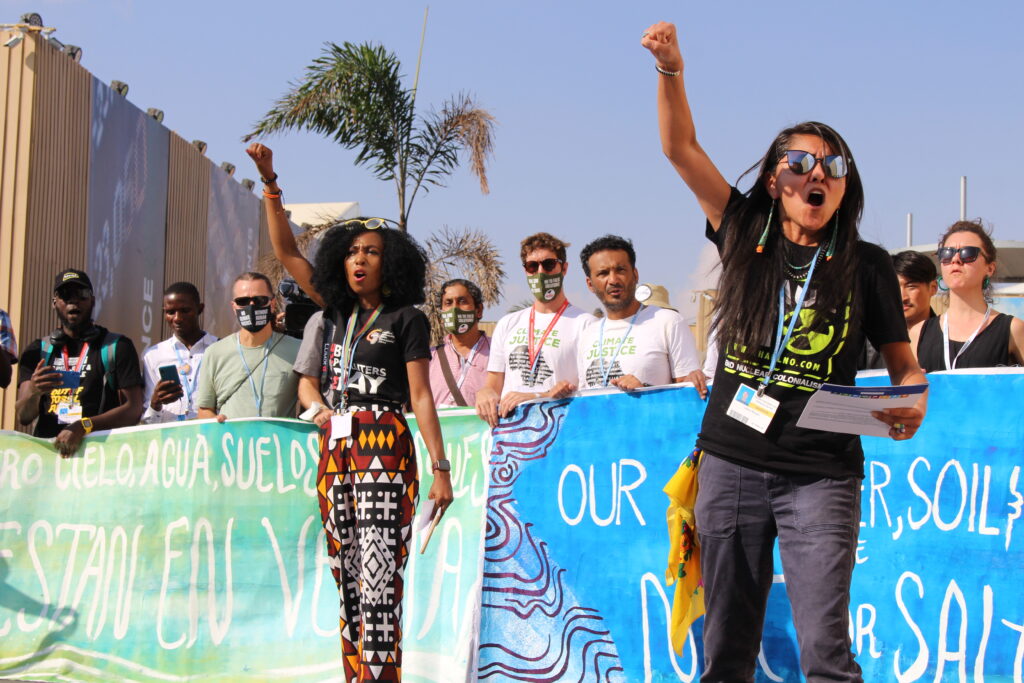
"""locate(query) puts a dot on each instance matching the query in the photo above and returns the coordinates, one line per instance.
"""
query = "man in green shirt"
(249, 373)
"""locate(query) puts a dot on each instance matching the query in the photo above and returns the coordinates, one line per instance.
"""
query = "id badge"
(341, 428)
(69, 413)
(752, 410)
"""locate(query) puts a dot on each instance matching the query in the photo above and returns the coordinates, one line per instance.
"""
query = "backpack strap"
(108, 356)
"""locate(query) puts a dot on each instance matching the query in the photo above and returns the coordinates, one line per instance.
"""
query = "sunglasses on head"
(967, 254)
(547, 265)
(257, 301)
(368, 223)
(802, 163)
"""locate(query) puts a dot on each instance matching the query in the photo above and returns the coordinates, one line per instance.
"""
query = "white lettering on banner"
(147, 311)
(863, 627)
(323, 563)
(588, 493)
(1018, 657)
(649, 579)
(172, 604)
(33, 555)
(955, 496)
(953, 632)
(461, 454)
(292, 600)
(18, 470)
(917, 668)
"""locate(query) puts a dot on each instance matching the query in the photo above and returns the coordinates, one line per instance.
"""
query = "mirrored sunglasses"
(802, 163)
(257, 301)
(967, 254)
(548, 265)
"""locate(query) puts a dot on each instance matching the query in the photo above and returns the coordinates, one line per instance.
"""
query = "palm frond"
(354, 95)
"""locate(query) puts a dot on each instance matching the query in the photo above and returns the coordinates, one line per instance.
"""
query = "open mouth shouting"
(816, 198)
(358, 275)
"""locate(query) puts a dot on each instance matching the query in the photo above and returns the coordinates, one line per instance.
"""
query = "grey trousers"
(739, 514)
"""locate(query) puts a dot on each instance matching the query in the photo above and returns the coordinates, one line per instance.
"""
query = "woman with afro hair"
(361, 361)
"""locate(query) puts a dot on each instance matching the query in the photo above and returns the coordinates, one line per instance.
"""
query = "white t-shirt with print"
(659, 348)
(557, 358)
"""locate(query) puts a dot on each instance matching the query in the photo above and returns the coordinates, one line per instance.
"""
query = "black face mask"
(253, 319)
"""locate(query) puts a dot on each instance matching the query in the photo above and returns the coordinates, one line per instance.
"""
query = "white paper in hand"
(424, 515)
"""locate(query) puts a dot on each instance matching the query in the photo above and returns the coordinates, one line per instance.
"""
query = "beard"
(84, 323)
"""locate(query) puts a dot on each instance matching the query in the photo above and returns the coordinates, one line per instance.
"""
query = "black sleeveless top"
(989, 349)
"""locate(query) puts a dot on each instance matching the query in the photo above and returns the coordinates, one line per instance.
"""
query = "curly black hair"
(404, 267)
(607, 243)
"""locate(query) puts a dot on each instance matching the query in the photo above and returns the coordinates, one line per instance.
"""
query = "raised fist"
(661, 40)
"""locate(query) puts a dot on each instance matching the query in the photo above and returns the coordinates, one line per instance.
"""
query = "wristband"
(666, 72)
(267, 181)
(86, 425)
(442, 465)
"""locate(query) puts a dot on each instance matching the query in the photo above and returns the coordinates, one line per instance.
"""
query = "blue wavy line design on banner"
(533, 628)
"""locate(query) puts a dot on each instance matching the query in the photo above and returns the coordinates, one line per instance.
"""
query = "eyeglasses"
(368, 223)
(967, 254)
(802, 163)
(257, 301)
(547, 265)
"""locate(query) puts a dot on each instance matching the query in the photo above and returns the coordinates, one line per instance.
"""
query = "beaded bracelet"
(666, 72)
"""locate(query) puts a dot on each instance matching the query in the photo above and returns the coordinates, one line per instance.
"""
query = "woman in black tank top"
(970, 334)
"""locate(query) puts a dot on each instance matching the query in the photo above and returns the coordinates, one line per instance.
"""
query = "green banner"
(195, 551)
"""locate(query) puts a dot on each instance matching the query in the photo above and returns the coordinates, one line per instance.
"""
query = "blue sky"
(923, 93)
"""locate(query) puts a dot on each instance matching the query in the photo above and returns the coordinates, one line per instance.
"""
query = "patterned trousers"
(367, 487)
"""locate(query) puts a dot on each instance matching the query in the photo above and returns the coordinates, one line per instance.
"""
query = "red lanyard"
(81, 358)
(535, 352)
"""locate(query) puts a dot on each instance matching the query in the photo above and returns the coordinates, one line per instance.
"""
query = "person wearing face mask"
(458, 367)
(798, 294)
(82, 376)
(249, 373)
(533, 354)
(970, 334)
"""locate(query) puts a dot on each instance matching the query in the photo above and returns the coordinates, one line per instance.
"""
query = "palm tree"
(354, 95)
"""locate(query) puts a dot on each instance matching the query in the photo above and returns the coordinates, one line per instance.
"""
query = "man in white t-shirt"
(633, 345)
(533, 351)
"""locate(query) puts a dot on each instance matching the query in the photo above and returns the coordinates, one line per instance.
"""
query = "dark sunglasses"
(967, 254)
(547, 265)
(257, 301)
(802, 163)
(73, 294)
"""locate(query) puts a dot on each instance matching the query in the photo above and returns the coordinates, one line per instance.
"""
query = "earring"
(941, 284)
(386, 291)
(987, 282)
(830, 252)
(764, 235)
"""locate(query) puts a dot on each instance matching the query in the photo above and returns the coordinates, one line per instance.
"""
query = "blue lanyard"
(622, 342)
(781, 343)
(257, 396)
(189, 386)
(352, 339)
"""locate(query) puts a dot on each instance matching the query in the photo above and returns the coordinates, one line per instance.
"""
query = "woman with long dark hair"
(798, 294)
(970, 334)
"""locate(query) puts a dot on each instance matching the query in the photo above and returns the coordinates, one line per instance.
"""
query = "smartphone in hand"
(169, 373)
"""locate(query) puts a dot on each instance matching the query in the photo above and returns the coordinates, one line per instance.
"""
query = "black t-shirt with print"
(399, 335)
(830, 355)
(90, 392)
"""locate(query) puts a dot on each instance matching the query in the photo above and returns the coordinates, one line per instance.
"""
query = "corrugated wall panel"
(58, 182)
(188, 198)
(16, 86)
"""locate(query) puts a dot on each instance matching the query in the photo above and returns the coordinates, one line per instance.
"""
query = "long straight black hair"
(745, 312)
